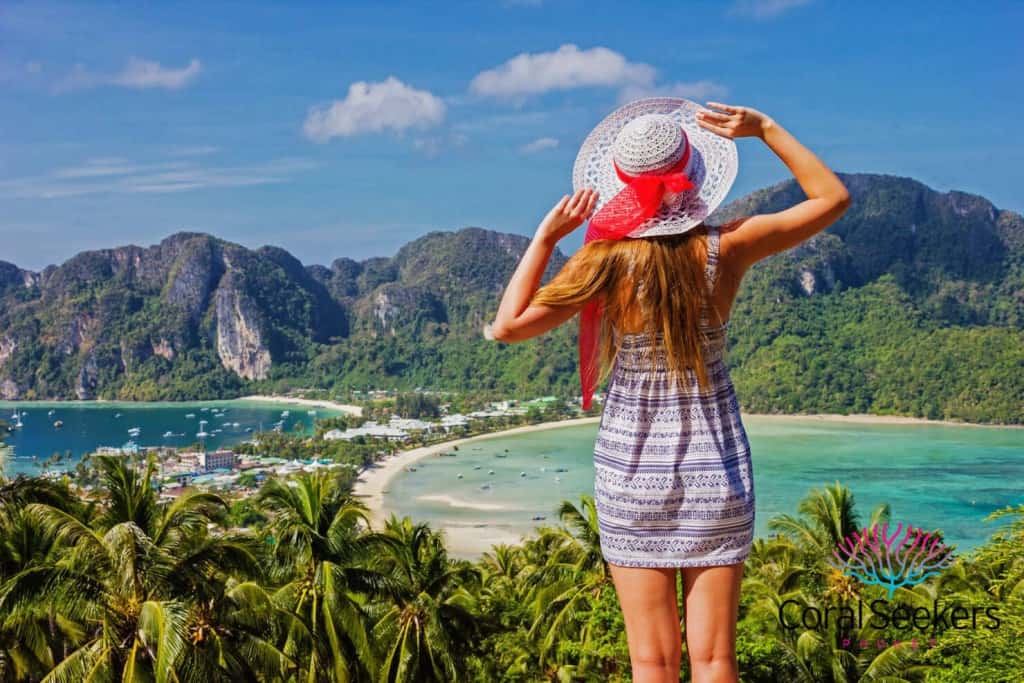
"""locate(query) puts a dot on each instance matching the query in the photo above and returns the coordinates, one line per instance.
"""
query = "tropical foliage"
(128, 586)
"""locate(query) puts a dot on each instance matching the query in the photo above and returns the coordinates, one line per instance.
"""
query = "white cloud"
(765, 9)
(120, 176)
(696, 90)
(373, 108)
(139, 74)
(538, 145)
(565, 68)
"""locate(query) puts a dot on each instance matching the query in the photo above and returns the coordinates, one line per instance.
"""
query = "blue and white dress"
(673, 480)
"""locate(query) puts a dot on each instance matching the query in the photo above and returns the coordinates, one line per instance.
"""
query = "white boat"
(311, 412)
(285, 413)
(51, 412)
(201, 435)
(168, 435)
(460, 475)
(190, 416)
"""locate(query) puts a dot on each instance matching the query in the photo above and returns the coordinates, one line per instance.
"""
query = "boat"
(476, 467)
(57, 424)
(235, 425)
(486, 486)
(285, 413)
(536, 517)
(117, 415)
(310, 412)
(558, 479)
(522, 474)
(168, 435)
(51, 412)
(202, 435)
(459, 476)
(190, 416)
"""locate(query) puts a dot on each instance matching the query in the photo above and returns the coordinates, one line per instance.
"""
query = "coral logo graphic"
(904, 557)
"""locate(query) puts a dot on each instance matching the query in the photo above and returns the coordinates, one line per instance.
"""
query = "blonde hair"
(658, 282)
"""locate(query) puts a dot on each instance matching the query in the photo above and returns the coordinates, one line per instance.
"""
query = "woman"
(654, 286)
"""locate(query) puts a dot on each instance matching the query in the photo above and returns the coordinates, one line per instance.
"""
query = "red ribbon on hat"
(626, 211)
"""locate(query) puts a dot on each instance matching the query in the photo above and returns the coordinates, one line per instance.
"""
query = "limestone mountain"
(912, 303)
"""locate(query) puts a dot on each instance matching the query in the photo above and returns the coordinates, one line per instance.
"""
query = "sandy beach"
(310, 402)
(474, 539)
(462, 540)
(863, 418)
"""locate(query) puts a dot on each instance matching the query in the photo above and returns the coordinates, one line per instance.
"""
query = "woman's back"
(673, 476)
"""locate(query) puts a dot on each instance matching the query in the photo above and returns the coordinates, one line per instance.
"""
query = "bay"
(933, 476)
(88, 425)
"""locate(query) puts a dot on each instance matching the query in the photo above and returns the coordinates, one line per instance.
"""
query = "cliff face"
(135, 322)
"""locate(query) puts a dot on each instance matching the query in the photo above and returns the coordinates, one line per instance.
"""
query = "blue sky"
(349, 130)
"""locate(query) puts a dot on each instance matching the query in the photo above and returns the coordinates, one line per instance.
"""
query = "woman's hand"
(736, 122)
(567, 215)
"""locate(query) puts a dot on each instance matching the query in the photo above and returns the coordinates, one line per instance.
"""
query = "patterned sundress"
(674, 482)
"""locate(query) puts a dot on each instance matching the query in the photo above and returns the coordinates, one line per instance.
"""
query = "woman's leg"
(649, 601)
(712, 596)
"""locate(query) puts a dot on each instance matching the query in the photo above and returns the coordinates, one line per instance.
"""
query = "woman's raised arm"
(762, 235)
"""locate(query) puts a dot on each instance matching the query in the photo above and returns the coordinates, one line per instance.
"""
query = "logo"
(902, 558)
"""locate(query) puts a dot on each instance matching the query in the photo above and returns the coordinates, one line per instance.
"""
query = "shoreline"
(372, 481)
(356, 411)
(471, 540)
(868, 418)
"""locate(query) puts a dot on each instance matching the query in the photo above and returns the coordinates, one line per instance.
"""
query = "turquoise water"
(933, 476)
(88, 425)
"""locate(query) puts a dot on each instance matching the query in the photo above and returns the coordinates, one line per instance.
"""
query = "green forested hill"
(913, 303)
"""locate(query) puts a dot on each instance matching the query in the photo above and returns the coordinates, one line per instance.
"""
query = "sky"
(349, 129)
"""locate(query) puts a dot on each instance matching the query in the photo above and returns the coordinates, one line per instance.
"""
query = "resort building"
(448, 422)
(217, 460)
(372, 430)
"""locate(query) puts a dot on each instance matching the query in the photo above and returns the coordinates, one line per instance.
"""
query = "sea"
(933, 476)
(87, 425)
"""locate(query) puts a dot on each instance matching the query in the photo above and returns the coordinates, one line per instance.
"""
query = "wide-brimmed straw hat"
(655, 136)
(657, 172)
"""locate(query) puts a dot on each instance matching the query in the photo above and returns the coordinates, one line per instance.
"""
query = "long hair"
(650, 285)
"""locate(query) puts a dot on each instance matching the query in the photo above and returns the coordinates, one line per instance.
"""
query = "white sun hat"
(654, 136)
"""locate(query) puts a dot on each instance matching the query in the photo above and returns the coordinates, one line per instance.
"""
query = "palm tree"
(25, 634)
(825, 517)
(134, 581)
(321, 564)
(432, 619)
(570, 581)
